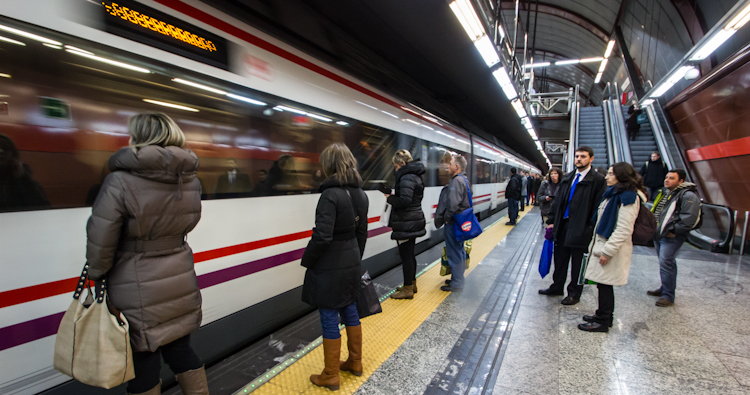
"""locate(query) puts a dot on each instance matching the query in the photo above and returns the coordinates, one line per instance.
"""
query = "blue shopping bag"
(465, 224)
(545, 262)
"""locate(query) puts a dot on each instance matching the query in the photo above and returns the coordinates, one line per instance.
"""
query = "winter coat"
(333, 256)
(585, 201)
(513, 188)
(454, 198)
(680, 213)
(548, 189)
(407, 217)
(632, 121)
(537, 185)
(524, 186)
(19, 191)
(618, 247)
(654, 172)
(136, 234)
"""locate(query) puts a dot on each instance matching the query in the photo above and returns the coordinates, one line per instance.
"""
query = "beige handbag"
(93, 344)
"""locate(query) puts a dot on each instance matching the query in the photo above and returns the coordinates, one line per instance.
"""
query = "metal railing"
(617, 133)
(575, 112)
(545, 105)
(611, 156)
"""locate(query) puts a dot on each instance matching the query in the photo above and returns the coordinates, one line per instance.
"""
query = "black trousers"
(562, 256)
(408, 260)
(606, 302)
(178, 355)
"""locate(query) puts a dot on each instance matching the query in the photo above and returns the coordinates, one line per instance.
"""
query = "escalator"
(644, 143)
(592, 133)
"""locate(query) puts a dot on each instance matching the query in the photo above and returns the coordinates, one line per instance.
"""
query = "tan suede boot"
(406, 292)
(193, 382)
(329, 378)
(353, 364)
(153, 391)
(413, 284)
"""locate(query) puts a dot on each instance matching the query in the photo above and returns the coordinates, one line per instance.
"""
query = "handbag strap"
(471, 201)
(100, 287)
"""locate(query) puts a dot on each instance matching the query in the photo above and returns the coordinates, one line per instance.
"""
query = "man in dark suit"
(571, 219)
(233, 183)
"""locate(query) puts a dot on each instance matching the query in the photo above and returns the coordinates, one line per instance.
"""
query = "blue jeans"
(456, 257)
(512, 210)
(667, 249)
(329, 320)
(652, 192)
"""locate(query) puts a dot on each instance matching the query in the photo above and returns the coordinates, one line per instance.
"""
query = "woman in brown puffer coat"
(136, 242)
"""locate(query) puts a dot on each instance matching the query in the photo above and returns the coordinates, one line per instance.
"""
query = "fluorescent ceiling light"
(504, 80)
(598, 78)
(387, 113)
(294, 110)
(542, 64)
(3, 75)
(710, 46)
(72, 48)
(500, 30)
(110, 61)
(366, 105)
(564, 62)
(526, 122)
(647, 102)
(539, 145)
(603, 65)
(322, 118)
(246, 99)
(171, 105)
(468, 18)
(740, 20)
(12, 41)
(669, 83)
(592, 60)
(342, 123)
(29, 35)
(532, 133)
(52, 46)
(518, 106)
(487, 49)
(610, 47)
(199, 86)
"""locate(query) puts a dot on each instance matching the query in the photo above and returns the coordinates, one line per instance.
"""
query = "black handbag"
(367, 301)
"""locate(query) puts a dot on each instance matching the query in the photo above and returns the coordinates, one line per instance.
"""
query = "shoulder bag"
(465, 224)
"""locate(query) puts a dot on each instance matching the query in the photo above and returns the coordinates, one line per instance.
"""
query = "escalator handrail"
(611, 155)
(730, 234)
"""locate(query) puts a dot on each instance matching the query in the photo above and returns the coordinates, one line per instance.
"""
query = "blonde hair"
(154, 129)
(402, 157)
(338, 162)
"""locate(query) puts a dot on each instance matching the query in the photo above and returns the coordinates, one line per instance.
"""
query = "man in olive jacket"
(571, 214)
(454, 198)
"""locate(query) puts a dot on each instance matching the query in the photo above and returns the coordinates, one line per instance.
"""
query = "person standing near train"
(333, 259)
(136, 242)
(407, 217)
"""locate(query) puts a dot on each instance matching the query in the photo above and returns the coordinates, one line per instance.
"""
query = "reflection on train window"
(54, 108)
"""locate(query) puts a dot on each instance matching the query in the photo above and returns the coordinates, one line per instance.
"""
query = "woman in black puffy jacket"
(407, 218)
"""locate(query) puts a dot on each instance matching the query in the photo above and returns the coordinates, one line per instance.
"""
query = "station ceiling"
(418, 51)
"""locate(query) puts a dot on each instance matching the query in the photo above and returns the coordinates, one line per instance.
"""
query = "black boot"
(596, 318)
(593, 327)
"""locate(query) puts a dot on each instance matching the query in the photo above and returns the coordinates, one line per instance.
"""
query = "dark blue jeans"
(329, 320)
(456, 257)
(667, 249)
(512, 210)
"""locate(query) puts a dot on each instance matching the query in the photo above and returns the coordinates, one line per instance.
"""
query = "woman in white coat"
(612, 247)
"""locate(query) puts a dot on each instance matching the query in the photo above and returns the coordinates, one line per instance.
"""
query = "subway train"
(257, 113)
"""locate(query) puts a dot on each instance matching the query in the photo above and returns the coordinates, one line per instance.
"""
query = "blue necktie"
(570, 197)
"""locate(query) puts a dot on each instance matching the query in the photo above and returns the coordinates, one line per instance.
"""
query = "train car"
(71, 74)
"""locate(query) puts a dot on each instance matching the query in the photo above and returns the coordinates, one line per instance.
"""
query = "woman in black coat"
(548, 191)
(407, 218)
(333, 260)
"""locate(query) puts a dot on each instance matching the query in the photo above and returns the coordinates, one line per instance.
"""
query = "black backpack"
(645, 227)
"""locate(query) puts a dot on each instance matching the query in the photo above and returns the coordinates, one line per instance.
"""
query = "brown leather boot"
(413, 284)
(193, 382)
(153, 391)
(406, 292)
(329, 378)
(353, 364)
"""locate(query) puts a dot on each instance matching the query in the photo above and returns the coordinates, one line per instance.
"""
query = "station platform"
(499, 336)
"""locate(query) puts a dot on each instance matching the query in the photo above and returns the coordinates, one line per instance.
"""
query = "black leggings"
(408, 260)
(606, 301)
(178, 355)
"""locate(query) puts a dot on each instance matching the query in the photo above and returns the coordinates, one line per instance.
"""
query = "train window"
(54, 108)
(3, 108)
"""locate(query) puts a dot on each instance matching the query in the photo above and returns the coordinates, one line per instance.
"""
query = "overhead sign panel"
(138, 22)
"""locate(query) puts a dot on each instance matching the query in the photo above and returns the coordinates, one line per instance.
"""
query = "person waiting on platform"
(570, 217)
(548, 191)
(454, 198)
(654, 171)
(677, 209)
(333, 259)
(407, 217)
(537, 186)
(524, 189)
(136, 242)
(612, 248)
(513, 194)
(232, 183)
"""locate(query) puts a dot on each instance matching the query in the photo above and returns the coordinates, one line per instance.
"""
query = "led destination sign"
(140, 23)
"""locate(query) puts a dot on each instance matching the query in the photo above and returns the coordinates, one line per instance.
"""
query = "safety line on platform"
(350, 383)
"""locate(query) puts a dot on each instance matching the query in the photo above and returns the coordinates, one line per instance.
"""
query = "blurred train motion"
(256, 112)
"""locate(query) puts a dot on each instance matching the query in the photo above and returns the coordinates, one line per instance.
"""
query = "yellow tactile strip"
(382, 333)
